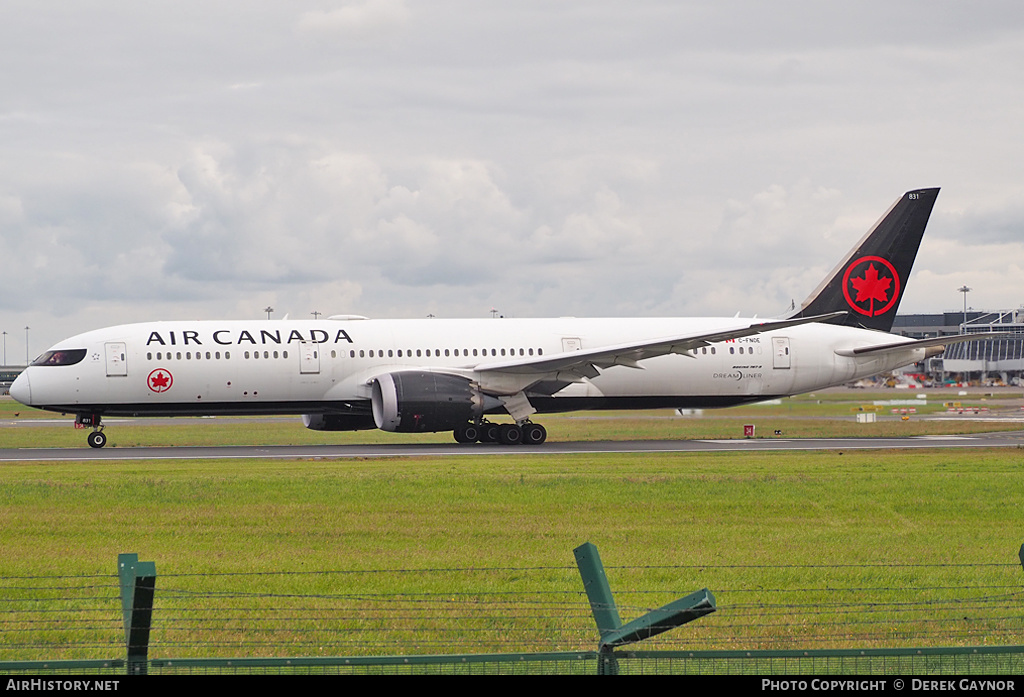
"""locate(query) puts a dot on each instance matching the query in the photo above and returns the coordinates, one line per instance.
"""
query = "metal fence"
(199, 621)
(980, 660)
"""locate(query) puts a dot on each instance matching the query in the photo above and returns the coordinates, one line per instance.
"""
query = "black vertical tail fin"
(869, 282)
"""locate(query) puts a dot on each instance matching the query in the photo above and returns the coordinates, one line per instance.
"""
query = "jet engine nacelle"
(415, 401)
(338, 422)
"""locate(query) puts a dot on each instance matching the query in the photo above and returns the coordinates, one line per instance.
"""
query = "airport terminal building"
(984, 360)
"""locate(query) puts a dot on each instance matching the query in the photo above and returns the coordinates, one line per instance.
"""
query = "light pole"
(965, 290)
(316, 314)
(26, 346)
(268, 309)
(5, 348)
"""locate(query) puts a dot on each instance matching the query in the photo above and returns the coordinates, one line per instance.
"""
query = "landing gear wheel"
(510, 434)
(488, 433)
(534, 434)
(97, 439)
(467, 434)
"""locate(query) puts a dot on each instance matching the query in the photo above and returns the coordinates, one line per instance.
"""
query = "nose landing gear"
(96, 439)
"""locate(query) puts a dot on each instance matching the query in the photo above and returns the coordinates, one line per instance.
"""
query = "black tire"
(467, 434)
(534, 434)
(97, 439)
(510, 434)
(488, 433)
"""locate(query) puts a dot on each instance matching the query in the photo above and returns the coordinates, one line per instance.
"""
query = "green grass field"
(474, 553)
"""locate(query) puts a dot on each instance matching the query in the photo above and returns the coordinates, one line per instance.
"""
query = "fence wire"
(409, 612)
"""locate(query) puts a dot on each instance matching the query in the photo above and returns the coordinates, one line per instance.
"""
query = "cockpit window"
(61, 357)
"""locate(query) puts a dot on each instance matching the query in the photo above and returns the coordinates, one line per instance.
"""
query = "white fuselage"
(308, 367)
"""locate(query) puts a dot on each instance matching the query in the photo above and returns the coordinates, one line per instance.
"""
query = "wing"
(942, 341)
(586, 363)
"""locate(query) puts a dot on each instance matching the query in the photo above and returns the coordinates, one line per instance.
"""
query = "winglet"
(869, 282)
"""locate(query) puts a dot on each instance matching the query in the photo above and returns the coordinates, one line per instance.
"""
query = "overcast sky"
(394, 158)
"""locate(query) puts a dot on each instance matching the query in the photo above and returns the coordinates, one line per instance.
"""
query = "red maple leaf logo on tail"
(871, 286)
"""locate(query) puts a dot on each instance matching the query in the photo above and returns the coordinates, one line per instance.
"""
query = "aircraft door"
(117, 359)
(570, 343)
(781, 352)
(309, 358)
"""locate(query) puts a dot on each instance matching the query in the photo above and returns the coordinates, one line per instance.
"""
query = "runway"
(1010, 439)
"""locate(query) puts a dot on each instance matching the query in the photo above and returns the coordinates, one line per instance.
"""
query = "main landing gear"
(96, 439)
(527, 433)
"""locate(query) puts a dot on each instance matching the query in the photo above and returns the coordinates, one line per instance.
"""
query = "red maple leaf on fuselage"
(871, 287)
(160, 380)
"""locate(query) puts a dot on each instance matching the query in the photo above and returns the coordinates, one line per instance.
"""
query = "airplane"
(347, 372)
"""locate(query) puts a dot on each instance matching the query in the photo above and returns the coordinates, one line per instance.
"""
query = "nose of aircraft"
(21, 390)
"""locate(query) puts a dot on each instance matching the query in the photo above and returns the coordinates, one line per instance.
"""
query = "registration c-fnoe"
(349, 373)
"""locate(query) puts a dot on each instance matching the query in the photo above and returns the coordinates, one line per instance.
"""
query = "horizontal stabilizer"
(917, 344)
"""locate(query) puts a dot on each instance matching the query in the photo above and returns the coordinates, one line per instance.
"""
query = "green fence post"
(602, 603)
(606, 614)
(138, 581)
